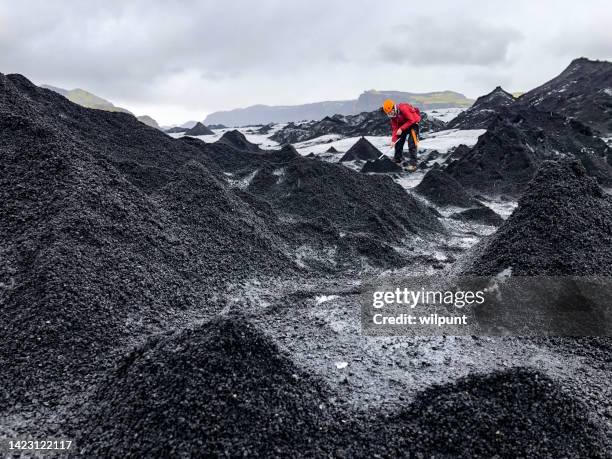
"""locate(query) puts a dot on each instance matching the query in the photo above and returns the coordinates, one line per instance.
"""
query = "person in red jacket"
(404, 126)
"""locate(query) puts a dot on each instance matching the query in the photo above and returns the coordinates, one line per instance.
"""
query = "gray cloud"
(572, 39)
(438, 41)
(187, 58)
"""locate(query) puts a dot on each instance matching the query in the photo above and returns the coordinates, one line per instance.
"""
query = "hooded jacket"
(407, 115)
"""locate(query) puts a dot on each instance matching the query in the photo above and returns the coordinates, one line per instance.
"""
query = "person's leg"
(399, 147)
(412, 147)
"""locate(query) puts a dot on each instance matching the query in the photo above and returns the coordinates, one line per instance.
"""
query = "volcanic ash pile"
(561, 227)
(482, 214)
(350, 201)
(112, 229)
(480, 115)
(518, 413)
(237, 140)
(223, 388)
(226, 389)
(443, 190)
(199, 129)
(382, 165)
(362, 150)
(508, 155)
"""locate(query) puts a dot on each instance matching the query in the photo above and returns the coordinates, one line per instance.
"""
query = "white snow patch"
(324, 298)
(305, 254)
(608, 91)
(502, 208)
(321, 144)
(444, 114)
(341, 365)
(244, 182)
(408, 181)
(505, 274)
(263, 140)
(442, 141)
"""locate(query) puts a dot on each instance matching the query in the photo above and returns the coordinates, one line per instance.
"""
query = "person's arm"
(393, 131)
(410, 117)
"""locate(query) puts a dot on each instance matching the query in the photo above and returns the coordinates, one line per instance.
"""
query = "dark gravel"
(221, 389)
(581, 91)
(507, 156)
(382, 165)
(176, 130)
(561, 227)
(480, 115)
(265, 129)
(518, 413)
(321, 193)
(111, 229)
(482, 214)
(443, 190)
(225, 389)
(237, 140)
(363, 150)
(199, 129)
(350, 201)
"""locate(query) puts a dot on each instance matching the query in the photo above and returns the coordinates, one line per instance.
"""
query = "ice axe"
(389, 149)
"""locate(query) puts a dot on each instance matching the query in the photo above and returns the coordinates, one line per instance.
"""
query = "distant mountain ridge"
(366, 102)
(90, 100)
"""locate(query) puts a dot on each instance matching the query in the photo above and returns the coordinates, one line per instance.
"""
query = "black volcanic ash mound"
(97, 242)
(237, 140)
(516, 413)
(217, 126)
(350, 201)
(561, 227)
(223, 388)
(199, 129)
(363, 150)
(299, 189)
(443, 190)
(176, 130)
(507, 156)
(382, 165)
(324, 205)
(482, 214)
(331, 149)
(227, 389)
(265, 129)
(582, 91)
(480, 115)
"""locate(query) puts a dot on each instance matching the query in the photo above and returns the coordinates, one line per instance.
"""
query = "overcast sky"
(180, 61)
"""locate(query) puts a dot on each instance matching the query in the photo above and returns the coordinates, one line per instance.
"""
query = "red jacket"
(406, 116)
